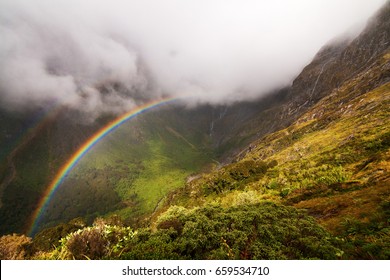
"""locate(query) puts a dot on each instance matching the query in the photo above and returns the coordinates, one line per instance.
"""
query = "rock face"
(342, 60)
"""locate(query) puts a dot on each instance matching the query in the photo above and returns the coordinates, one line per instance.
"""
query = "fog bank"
(107, 56)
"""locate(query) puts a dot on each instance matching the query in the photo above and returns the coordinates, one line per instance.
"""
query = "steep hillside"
(336, 63)
(342, 60)
(317, 189)
(334, 162)
(306, 167)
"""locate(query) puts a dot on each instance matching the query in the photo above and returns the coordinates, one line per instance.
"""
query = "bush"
(236, 175)
(273, 184)
(244, 198)
(14, 247)
(97, 242)
(49, 238)
(260, 231)
(284, 192)
(331, 175)
(257, 231)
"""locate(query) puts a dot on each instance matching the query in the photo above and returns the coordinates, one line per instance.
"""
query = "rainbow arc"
(78, 155)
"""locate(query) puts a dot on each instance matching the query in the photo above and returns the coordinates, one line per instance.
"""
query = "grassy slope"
(334, 162)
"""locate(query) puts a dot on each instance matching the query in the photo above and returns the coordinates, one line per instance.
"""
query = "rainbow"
(82, 150)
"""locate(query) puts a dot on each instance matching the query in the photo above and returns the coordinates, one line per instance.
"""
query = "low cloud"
(108, 55)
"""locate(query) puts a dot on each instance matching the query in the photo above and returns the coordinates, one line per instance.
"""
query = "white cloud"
(63, 50)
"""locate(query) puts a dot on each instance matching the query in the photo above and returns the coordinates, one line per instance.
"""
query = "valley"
(300, 173)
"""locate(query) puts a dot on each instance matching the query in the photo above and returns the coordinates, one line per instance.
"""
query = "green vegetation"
(26, 183)
(256, 231)
(234, 176)
(129, 172)
(333, 162)
(318, 189)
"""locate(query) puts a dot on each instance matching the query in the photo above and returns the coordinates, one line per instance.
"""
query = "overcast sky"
(219, 50)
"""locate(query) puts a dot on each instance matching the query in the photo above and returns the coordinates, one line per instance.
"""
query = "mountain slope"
(320, 145)
(332, 164)
(333, 161)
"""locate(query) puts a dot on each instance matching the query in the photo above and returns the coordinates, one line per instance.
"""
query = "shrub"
(171, 224)
(97, 242)
(272, 163)
(249, 197)
(14, 247)
(260, 231)
(331, 175)
(49, 238)
(235, 175)
(284, 192)
(273, 184)
(172, 213)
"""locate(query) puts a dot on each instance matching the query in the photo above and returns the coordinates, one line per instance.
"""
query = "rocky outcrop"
(342, 60)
